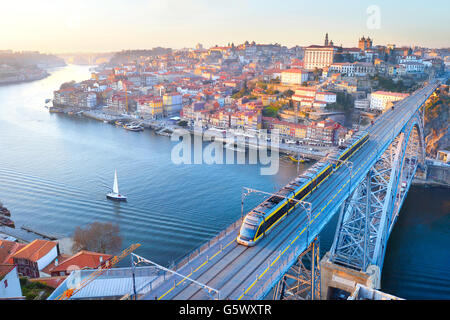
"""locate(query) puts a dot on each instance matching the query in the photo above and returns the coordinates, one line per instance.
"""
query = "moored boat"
(7, 222)
(133, 127)
(5, 212)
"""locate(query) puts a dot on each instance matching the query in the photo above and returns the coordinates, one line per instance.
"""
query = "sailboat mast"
(116, 184)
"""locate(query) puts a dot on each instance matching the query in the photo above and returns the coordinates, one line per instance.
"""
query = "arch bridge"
(367, 193)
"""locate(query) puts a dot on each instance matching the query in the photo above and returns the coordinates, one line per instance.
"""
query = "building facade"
(294, 76)
(319, 57)
(34, 257)
(381, 100)
(9, 282)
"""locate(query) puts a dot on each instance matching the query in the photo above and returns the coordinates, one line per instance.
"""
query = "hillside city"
(315, 95)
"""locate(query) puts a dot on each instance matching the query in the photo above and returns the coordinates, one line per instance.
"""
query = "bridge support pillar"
(338, 282)
(302, 281)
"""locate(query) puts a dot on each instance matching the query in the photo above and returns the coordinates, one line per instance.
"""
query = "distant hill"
(86, 58)
(127, 55)
(30, 58)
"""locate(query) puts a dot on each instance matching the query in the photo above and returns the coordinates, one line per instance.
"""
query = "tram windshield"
(248, 231)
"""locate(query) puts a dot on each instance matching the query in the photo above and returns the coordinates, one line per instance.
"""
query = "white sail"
(116, 184)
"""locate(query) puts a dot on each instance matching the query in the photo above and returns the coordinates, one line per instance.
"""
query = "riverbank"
(429, 183)
(7, 82)
(166, 127)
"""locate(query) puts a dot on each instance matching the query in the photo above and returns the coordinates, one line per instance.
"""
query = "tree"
(317, 73)
(97, 237)
(288, 93)
(270, 111)
(66, 85)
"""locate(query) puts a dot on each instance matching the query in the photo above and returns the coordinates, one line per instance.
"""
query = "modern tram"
(262, 219)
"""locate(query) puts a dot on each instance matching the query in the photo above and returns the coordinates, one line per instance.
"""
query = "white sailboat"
(115, 195)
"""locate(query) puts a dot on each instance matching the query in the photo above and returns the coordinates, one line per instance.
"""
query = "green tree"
(270, 111)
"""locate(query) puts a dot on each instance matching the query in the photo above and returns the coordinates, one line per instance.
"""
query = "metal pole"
(313, 275)
(134, 278)
(308, 212)
(242, 204)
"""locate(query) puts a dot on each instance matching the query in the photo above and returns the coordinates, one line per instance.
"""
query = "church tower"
(326, 40)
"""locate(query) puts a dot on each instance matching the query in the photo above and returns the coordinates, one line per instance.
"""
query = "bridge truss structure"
(370, 212)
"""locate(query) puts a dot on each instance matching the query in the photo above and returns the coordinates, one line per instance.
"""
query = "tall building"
(365, 44)
(326, 40)
(319, 57)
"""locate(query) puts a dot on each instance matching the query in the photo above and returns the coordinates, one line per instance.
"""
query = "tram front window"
(248, 231)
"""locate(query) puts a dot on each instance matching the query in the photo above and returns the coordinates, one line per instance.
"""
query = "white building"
(413, 67)
(9, 282)
(359, 69)
(318, 57)
(91, 100)
(328, 97)
(310, 97)
(381, 100)
(294, 76)
(362, 104)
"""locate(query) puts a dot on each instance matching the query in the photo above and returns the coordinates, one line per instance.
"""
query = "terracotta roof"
(294, 70)
(83, 259)
(5, 269)
(53, 282)
(7, 249)
(35, 250)
(48, 269)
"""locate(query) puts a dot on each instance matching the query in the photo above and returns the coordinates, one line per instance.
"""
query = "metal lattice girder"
(362, 214)
(368, 215)
(410, 161)
(302, 281)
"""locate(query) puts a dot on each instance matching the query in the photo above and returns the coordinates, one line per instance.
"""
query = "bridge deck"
(240, 272)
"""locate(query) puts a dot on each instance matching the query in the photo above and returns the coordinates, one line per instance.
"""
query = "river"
(55, 170)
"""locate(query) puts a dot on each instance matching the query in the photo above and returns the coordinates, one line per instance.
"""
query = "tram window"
(248, 230)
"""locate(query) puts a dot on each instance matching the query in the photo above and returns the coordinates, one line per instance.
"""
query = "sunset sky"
(109, 25)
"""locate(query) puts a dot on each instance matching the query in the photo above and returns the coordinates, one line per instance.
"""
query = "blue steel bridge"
(367, 193)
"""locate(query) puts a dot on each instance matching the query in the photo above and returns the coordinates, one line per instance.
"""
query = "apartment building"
(294, 76)
(381, 100)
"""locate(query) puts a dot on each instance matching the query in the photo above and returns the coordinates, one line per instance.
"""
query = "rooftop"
(7, 249)
(5, 269)
(35, 250)
(114, 283)
(83, 259)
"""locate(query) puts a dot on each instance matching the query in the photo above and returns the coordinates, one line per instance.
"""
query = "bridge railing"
(197, 252)
(284, 263)
(164, 276)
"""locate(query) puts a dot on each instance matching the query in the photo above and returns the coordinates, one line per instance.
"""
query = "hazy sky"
(104, 25)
